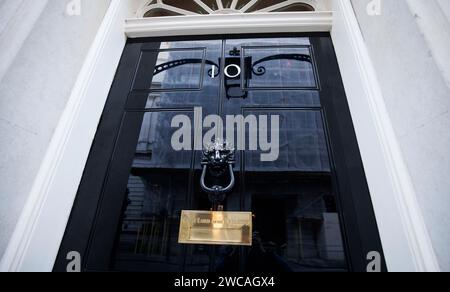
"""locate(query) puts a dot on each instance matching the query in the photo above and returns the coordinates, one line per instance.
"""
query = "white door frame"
(35, 243)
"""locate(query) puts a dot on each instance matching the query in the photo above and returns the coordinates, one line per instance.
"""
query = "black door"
(305, 184)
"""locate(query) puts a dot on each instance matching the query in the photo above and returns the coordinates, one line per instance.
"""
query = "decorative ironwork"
(177, 63)
(250, 68)
(157, 8)
(261, 70)
(235, 52)
(257, 71)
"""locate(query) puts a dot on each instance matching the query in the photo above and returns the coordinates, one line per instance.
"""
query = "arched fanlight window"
(157, 8)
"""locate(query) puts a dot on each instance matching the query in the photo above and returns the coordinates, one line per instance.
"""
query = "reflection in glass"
(297, 226)
(303, 146)
(271, 66)
(157, 191)
(179, 66)
(171, 72)
(280, 98)
(280, 67)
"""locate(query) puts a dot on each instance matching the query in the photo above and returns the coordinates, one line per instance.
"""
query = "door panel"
(180, 66)
(311, 205)
(158, 189)
(293, 199)
(303, 146)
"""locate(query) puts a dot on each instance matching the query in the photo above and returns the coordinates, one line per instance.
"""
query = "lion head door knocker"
(217, 162)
